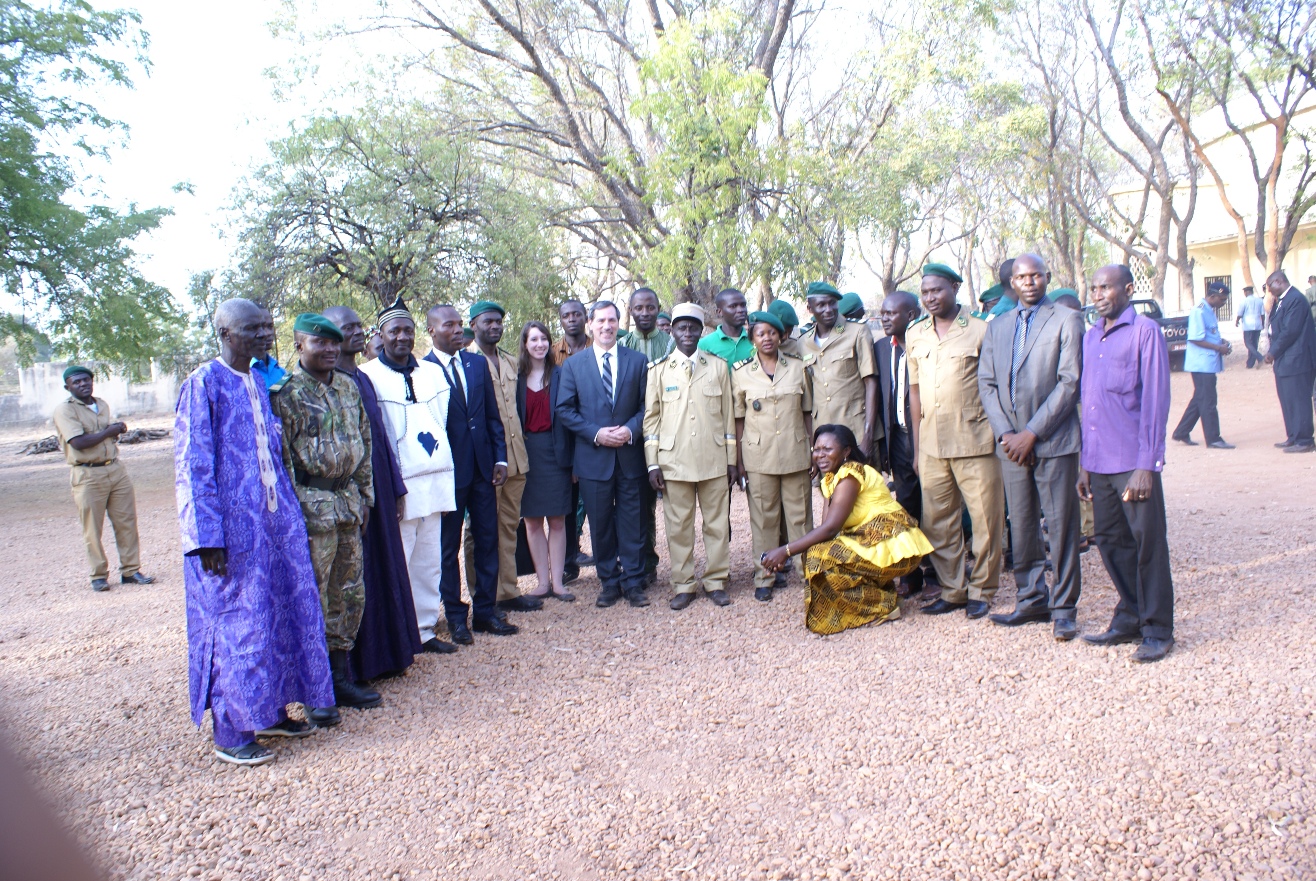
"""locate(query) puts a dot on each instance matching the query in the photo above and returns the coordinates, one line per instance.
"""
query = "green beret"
(468, 333)
(317, 325)
(74, 369)
(664, 315)
(822, 289)
(785, 311)
(1060, 292)
(992, 294)
(478, 309)
(944, 271)
(769, 319)
(849, 303)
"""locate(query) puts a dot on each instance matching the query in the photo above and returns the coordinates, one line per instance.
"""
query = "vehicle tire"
(1176, 362)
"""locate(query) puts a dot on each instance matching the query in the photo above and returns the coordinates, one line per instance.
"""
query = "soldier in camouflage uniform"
(326, 450)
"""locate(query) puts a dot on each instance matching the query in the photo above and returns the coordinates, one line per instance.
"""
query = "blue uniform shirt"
(1202, 325)
(1253, 313)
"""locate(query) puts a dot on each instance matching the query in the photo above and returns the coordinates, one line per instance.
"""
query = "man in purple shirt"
(1125, 395)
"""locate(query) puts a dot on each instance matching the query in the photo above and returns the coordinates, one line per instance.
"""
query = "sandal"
(288, 728)
(249, 754)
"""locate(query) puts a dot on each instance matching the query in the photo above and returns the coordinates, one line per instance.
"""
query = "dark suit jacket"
(583, 408)
(1293, 335)
(564, 443)
(1046, 389)
(475, 434)
(882, 351)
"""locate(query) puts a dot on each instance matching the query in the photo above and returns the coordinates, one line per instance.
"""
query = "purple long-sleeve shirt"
(1125, 395)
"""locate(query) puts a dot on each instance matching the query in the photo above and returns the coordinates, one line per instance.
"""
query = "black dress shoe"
(522, 603)
(348, 693)
(461, 634)
(496, 626)
(780, 579)
(637, 598)
(1220, 445)
(1186, 441)
(681, 600)
(323, 717)
(1111, 637)
(436, 646)
(1064, 629)
(1282, 444)
(608, 597)
(763, 594)
(138, 578)
(1152, 650)
(100, 584)
(976, 608)
(1301, 448)
(570, 574)
(941, 607)
(583, 560)
(719, 597)
(1016, 618)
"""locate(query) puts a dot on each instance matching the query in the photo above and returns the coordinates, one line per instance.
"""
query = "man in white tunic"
(413, 396)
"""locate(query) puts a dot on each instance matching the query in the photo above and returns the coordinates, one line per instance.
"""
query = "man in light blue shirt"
(1204, 359)
(1252, 318)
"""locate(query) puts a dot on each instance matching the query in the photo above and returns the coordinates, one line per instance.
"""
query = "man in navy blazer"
(601, 402)
(1293, 352)
(479, 454)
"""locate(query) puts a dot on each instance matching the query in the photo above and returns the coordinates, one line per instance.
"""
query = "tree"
(69, 267)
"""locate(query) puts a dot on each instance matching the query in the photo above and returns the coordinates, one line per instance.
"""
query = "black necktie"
(457, 378)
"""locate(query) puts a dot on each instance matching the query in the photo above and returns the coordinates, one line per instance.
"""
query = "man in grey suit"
(1028, 378)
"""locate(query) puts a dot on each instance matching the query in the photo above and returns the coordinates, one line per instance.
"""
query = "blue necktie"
(1017, 357)
(607, 375)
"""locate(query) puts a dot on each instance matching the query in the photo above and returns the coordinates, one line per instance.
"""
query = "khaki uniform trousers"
(336, 559)
(100, 491)
(509, 517)
(714, 497)
(949, 485)
(779, 505)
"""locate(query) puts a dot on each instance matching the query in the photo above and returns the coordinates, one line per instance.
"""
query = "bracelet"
(788, 550)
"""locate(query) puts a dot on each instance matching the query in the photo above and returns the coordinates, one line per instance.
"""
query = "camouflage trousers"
(336, 558)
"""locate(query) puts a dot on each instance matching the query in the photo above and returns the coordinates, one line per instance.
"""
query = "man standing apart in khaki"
(954, 447)
(100, 482)
(690, 448)
(486, 319)
(844, 368)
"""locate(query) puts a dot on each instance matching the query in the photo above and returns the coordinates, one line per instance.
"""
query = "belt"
(326, 483)
(95, 464)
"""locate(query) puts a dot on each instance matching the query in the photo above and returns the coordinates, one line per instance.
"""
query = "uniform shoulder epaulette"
(713, 355)
(742, 362)
(798, 356)
(922, 318)
(658, 361)
(281, 384)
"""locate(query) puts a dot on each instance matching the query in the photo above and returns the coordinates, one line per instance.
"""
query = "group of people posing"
(323, 509)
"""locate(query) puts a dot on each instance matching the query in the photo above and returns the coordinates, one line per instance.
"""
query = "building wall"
(1219, 259)
(41, 389)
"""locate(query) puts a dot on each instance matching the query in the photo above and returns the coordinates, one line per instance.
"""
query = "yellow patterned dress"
(850, 580)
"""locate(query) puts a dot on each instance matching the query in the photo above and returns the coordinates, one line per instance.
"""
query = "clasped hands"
(613, 436)
(1018, 447)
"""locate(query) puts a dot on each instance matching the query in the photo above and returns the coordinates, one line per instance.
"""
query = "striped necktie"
(1017, 356)
(607, 375)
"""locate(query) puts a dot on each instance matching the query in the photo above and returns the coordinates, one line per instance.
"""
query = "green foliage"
(70, 268)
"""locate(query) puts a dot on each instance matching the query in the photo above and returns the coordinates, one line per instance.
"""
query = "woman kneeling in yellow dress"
(863, 544)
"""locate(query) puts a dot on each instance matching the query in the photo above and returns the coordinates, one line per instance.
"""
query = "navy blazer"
(583, 408)
(564, 443)
(476, 434)
(1292, 335)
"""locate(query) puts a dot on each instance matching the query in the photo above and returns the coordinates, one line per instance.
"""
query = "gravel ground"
(712, 743)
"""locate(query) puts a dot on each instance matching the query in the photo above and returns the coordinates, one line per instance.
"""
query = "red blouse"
(538, 415)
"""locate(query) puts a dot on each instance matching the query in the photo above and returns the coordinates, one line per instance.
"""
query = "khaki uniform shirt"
(841, 362)
(326, 434)
(689, 429)
(72, 419)
(791, 346)
(945, 369)
(503, 369)
(773, 440)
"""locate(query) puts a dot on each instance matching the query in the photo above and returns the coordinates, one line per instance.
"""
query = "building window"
(1225, 312)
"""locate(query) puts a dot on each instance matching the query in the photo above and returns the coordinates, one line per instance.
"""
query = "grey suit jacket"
(1046, 389)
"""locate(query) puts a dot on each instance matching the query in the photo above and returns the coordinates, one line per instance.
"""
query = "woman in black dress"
(547, 498)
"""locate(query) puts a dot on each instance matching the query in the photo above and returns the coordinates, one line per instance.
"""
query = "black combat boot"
(346, 692)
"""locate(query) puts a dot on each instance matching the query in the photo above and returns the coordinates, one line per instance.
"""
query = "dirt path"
(713, 743)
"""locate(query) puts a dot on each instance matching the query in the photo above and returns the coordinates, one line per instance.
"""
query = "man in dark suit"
(1293, 352)
(898, 311)
(601, 401)
(479, 458)
(1032, 360)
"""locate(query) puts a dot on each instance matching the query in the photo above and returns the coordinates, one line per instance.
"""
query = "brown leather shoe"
(681, 600)
(719, 597)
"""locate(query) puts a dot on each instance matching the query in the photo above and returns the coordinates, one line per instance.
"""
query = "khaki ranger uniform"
(774, 449)
(957, 459)
(503, 369)
(841, 363)
(689, 432)
(100, 486)
(326, 450)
